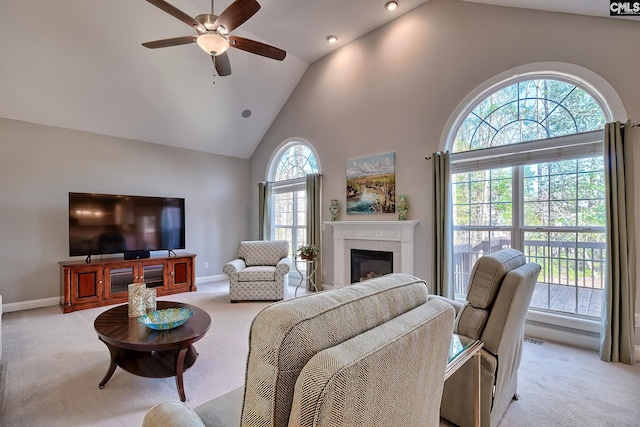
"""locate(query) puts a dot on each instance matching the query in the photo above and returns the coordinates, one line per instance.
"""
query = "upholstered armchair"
(374, 353)
(498, 296)
(261, 271)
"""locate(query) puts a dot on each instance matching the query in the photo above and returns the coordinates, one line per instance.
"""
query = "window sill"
(576, 331)
(566, 329)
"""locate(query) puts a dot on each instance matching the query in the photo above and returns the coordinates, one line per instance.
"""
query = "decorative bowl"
(168, 318)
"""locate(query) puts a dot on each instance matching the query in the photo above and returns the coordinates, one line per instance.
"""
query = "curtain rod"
(633, 125)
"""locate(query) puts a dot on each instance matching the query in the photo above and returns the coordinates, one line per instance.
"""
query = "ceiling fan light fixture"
(213, 43)
(391, 5)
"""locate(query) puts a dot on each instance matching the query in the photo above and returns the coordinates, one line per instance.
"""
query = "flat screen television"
(109, 223)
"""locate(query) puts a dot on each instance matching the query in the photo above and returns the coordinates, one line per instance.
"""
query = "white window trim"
(602, 91)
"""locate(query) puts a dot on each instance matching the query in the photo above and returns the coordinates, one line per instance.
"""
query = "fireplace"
(366, 264)
(389, 236)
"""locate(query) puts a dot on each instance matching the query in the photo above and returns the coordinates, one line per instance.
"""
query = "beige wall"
(40, 165)
(395, 89)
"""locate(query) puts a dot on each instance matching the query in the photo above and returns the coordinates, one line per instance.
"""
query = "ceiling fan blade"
(177, 13)
(222, 64)
(237, 13)
(257, 48)
(170, 42)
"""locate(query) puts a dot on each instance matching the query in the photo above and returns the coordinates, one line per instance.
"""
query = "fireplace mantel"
(395, 236)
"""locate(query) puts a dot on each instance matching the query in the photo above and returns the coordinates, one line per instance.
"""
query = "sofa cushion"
(285, 335)
(221, 411)
(471, 321)
(487, 274)
(171, 413)
(257, 274)
(263, 252)
(391, 375)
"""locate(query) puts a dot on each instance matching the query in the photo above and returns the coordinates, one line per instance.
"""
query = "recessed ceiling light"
(332, 39)
(246, 114)
(391, 5)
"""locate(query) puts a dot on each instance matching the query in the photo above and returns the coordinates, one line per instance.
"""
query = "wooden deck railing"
(565, 264)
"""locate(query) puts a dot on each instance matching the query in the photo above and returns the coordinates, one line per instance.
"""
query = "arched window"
(528, 172)
(294, 159)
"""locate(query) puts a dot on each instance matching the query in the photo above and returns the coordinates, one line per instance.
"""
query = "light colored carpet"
(52, 364)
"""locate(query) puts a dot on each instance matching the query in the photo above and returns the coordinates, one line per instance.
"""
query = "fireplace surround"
(390, 236)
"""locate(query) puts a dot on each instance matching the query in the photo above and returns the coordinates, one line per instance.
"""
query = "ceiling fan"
(213, 33)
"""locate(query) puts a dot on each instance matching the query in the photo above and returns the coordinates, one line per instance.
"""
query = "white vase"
(334, 208)
(150, 299)
(402, 207)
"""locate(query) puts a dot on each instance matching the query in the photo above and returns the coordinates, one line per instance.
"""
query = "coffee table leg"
(112, 366)
(179, 371)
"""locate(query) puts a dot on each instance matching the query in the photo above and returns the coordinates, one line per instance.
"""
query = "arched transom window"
(528, 172)
(527, 111)
(295, 161)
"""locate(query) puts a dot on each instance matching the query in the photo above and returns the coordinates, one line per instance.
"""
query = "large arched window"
(290, 164)
(528, 172)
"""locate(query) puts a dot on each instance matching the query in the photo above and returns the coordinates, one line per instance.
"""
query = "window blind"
(587, 144)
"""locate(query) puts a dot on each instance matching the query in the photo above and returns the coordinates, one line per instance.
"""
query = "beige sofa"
(498, 296)
(368, 354)
(261, 271)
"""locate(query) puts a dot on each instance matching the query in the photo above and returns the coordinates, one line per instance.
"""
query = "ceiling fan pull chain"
(214, 66)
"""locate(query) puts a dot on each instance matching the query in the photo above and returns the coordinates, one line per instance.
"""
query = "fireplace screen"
(366, 265)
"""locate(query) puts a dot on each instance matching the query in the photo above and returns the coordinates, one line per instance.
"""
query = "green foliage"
(307, 251)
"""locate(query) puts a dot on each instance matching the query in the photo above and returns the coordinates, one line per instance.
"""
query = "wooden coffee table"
(149, 353)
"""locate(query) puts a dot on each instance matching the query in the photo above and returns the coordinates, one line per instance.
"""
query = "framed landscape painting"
(371, 184)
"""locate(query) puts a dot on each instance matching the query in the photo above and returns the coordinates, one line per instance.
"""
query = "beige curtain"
(264, 210)
(314, 224)
(442, 225)
(617, 338)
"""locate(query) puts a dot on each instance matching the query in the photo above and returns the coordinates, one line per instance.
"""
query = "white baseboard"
(574, 331)
(31, 304)
(52, 301)
(562, 336)
(214, 278)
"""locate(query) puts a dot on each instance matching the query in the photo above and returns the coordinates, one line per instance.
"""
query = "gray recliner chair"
(498, 296)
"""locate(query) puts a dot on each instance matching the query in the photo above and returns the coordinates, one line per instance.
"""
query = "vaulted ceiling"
(80, 65)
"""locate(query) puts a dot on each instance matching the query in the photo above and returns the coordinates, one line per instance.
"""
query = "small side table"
(310, 269)
(462, 350)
